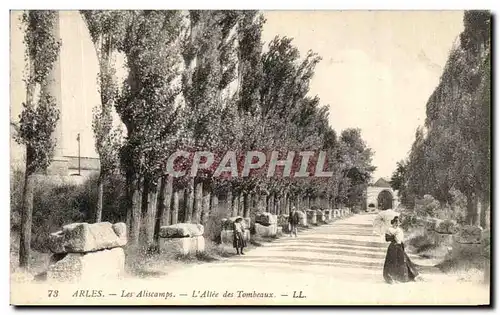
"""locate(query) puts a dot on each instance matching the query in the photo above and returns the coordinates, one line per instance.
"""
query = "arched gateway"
(381, 196)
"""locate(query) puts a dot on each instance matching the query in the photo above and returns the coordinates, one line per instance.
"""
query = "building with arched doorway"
(380, 195)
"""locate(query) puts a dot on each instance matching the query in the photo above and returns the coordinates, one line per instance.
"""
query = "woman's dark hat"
(396, 218)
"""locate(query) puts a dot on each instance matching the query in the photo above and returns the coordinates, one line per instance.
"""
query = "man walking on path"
(293, 221)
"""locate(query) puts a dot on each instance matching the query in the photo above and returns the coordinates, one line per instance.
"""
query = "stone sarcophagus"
(83, 251)
(312, 217)
(266, 224)
(328, 215)
(182, 238)
(320, 217)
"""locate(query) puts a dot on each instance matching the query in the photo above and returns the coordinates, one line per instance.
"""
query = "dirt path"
(335, 264)
(338, 263)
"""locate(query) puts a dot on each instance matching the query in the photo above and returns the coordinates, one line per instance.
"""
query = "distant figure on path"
(397, 267)
(293, 220)
(239, 241)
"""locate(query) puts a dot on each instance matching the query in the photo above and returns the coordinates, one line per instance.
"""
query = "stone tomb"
(312, 217)
(87, 252)
(320, 216)
(328, 215)
(467, 242)
(266, 224)
(336, 213)
(444, 231)
(182, 239)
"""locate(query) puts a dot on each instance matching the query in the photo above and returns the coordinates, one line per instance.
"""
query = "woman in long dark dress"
(397, 267)
(239, 241)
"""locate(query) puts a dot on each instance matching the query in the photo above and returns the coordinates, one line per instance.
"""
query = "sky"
(378, 69)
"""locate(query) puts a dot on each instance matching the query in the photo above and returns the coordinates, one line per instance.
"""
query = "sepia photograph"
(250, 157)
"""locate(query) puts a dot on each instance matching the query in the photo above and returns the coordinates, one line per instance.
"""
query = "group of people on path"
(397, 266)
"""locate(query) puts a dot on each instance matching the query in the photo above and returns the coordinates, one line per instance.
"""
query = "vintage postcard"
(229, 157)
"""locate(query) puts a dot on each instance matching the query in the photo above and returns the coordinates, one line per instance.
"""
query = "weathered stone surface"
(266, 218)
(121, 231)
(442, 239)
(227, 223)
(311, 217)
(181, 230)
(328, 214)
(446, 227)
(85, 237)
(227, 236)
(266, 231)
(183, 245)
(94, 266)
(463, 250)
(320, 216)
(469, 234)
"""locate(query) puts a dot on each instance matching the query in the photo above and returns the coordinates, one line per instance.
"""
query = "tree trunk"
(205, 211)
(26, 221)
(198, 195)
(229, 203)
(288, 203)
(273, 203)
(160, 211)
(254, 202)
(164, 205)
(189, 201)
(175, 206)
(246, 205)
(268, 203)
(277, 204)
(128, 220)
(261, 202)
(144, 212)
(100, 192)
(167, 201)
(152, 214)
(472, 210)
(149, 202)
(214, 202)
(135, 211)
(240, 204)
(235, 200)
(484, 215)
